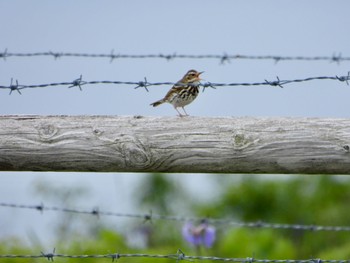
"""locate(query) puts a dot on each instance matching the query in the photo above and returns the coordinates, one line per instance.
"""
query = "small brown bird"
(183, 92)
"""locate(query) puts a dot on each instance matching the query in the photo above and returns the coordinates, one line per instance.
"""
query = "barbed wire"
(150, 216)
(79, 82)
(179, 256)
(223, 58)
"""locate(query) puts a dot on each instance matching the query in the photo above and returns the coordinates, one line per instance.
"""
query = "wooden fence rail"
(173, 144)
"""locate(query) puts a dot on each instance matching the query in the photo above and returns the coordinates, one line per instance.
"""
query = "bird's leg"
(184, 111)
(180, 115)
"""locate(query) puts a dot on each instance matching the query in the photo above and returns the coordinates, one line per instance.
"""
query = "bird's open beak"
(199, 74)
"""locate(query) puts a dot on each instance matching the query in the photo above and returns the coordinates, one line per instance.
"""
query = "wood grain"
(173, 144)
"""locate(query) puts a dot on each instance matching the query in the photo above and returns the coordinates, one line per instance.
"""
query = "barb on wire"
(15, 87)
(275, 82)
(77, 83)
(49, 256)
(179, 256)
(115, 257)
(95, 212)
(225, 58)
(277, 59)
(56, 55)
(40, 208)
(222, 58)
(168, 57)
(113, 56)
(207, 85)
(150, 216)
(336, 58)
(344, 78)
(145, 84)
(4, 54)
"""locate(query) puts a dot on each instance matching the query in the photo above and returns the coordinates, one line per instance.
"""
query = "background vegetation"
(319, 200)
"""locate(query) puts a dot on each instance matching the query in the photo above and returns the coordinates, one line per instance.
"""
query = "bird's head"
(192, 76)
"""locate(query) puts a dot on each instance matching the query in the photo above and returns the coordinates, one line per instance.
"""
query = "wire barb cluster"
(79, 82)
(150, 216)
(179, 256)
(223, 58)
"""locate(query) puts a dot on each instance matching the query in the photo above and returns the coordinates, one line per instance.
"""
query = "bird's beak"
(199, 74)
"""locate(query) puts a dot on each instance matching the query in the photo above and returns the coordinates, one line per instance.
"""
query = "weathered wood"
(173, 144)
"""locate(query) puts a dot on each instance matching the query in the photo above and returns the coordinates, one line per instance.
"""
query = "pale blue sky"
(290, 28)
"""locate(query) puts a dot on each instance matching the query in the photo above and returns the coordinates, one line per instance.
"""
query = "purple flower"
(203, 234)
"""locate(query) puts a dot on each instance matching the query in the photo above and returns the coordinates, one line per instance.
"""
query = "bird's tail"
(157, 103)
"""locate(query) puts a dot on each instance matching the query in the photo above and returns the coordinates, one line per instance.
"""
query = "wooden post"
(174, 144)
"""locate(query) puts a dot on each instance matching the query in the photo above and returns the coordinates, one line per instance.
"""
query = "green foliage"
(13, 246)
(159, 193)
(66, 197)
(320, 200)
(106, 242)
(265, 243)
(156, 192)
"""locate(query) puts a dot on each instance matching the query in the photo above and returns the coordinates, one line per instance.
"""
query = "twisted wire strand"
(145, 84)
(150, 216)
(225, 57)
(178, 257)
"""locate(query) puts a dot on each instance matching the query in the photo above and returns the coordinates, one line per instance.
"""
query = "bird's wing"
(177, 87)
(174, 91)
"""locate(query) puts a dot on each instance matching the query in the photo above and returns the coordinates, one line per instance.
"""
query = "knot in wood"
(241, 140)
(135, 153)
(97, 132)
(47, 131)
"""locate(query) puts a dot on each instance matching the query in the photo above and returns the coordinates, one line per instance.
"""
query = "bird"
(183, 92)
